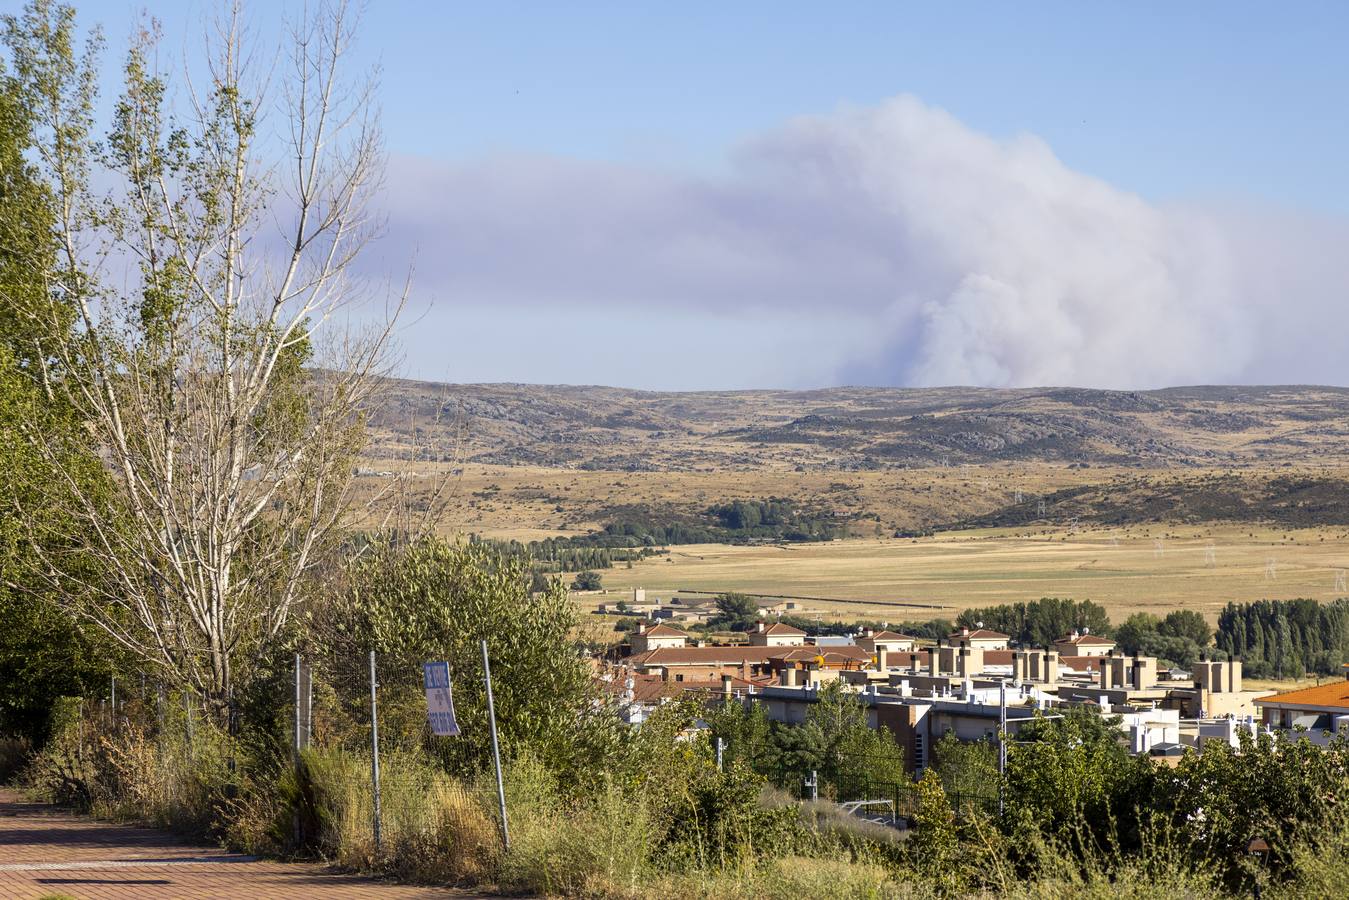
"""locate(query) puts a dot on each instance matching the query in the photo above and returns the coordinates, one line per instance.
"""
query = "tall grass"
(696, 832)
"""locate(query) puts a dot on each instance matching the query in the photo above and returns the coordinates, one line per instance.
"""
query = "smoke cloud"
(885, 245)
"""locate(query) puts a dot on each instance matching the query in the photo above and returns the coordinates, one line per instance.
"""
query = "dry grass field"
(1127, 570)
(1245, 488)
(534, 502)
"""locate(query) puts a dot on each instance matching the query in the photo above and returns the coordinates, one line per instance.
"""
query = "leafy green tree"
(1072, 779)
(1137, 632)
(736, 612)
(45, 652)
(934, 850)
(587, 581)
(193, 373)
(434, 601)
(1188, 625)
(967, 768)
(1040, 622)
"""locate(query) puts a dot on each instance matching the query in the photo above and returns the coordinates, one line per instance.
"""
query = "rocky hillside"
(612, 429)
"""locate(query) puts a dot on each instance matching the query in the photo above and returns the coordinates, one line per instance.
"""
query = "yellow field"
(1126, 570)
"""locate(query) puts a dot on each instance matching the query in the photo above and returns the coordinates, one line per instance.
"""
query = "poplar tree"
(204, 255)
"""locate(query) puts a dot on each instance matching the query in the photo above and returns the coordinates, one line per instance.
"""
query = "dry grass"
(521, 502)
(1126, 570)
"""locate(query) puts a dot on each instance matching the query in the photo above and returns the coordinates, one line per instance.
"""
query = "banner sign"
(439, 703)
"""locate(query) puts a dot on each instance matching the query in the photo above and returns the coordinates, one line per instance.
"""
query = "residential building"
(657, 637)
(777, 635)
(1083, 643)
(1319, 712)
(979, 639)
(888, 641)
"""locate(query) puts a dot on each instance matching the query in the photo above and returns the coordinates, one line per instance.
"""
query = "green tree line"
(1285, 638)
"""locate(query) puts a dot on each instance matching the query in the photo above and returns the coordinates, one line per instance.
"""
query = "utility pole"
(374, 750)
(1002, 744)
(496, 750)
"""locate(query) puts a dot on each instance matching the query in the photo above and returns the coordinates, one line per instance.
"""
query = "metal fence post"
(374, 750)
(496, 750)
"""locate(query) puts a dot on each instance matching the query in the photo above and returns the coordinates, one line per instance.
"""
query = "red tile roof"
(645, 688)
(887, 636)
(982, 634)
(664, 631)
(1334, 695)
(777, 628)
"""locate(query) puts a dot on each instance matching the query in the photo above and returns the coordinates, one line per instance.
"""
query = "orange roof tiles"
(663, 631)
(1334, 695)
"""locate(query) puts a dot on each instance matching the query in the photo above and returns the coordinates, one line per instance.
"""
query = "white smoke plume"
(910, 248)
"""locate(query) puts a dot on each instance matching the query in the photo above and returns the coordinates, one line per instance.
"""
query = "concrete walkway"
(44, 852)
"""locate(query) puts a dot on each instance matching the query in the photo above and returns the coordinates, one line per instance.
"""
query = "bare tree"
(221, 379)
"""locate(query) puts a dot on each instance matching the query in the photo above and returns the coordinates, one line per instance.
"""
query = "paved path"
(44, 851)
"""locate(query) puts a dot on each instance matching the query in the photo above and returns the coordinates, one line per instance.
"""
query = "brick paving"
(45, 851)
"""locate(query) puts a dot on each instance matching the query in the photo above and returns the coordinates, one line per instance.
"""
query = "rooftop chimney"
(964, 632)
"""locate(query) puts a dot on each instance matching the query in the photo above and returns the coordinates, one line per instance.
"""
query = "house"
(777, 635)
(1083, 643)
(1320, 709)
(657, 637)
(888, 641)
(688, 664)
(979, 639)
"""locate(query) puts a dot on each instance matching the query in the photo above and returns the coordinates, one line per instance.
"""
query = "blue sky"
(1211, 107)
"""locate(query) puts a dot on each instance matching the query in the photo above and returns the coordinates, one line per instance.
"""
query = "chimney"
(882, 662)
(789, 675)
(726, 685)
(761, 628)
(964, 632)
(932, 661)
(641, 628)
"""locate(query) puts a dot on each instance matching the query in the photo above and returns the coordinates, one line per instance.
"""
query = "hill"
(852, 429)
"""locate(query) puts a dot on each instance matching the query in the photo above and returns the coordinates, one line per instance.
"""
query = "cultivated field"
(1126, 570)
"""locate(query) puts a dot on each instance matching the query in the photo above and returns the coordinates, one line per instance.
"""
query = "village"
(972, 683)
